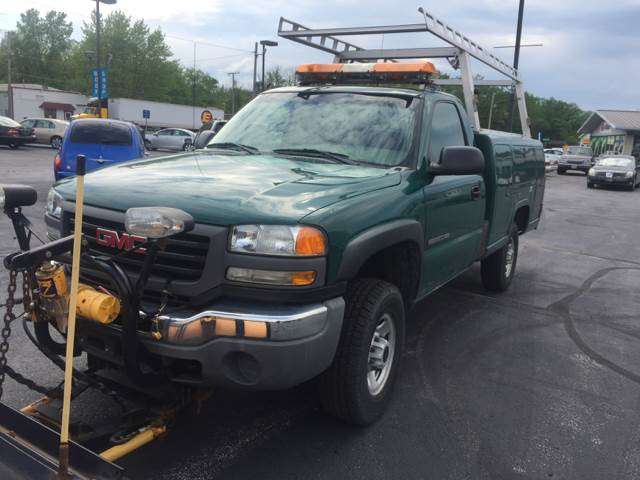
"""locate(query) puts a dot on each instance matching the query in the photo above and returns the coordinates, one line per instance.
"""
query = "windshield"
(616, 162)
(376, 129)
(8, 122)
(579, 151)
(105, 133)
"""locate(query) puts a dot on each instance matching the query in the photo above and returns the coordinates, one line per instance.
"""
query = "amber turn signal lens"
(303, 278)
(225, 327)
(310, 242)
(253, 329)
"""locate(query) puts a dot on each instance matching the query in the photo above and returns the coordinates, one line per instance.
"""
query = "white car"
(170, 139)
(48, 131)
(552, 157)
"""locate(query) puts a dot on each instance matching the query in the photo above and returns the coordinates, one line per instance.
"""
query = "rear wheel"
(14, 146)
(499, 268)
(56, 142)
(148, 146)
(357, 386)
(561, 171)
(589, 184)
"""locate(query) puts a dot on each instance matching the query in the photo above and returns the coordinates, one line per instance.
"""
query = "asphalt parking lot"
(540, 382)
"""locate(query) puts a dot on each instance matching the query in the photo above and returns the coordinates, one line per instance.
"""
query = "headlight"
(282, 240)
(629, 174)
(54, 203)
(592, 172)
(157, 222)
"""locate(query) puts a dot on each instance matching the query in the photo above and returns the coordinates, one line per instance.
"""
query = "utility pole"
(233, 91)
(516, 62)
(9, 86)
(255, 67)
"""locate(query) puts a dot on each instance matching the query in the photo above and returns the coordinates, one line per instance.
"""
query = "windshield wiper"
(234, 146)
(312, 152)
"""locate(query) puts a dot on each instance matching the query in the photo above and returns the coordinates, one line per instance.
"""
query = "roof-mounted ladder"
(459, 54)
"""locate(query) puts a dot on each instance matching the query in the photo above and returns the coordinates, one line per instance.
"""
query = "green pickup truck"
(322, 215)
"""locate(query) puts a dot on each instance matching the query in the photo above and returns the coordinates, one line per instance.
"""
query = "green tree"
(41, 47)
(277, 77)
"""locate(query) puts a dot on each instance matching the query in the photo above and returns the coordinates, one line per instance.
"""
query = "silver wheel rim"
(381, 354)
(509, 258)
(56, 143)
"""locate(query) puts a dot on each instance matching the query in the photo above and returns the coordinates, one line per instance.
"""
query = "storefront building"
(612, 131)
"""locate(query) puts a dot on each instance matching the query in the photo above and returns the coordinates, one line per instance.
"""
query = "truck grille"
(183, 259)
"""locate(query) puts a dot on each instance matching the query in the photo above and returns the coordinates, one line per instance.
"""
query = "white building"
(31, 100)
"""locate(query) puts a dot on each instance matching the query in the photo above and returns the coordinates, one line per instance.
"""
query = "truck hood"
(229, 189)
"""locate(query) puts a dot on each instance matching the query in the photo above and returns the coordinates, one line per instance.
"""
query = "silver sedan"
(170, 139)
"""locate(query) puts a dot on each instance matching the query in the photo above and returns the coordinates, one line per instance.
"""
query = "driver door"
(454, 205)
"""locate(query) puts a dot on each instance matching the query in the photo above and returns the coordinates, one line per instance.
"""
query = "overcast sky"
(591, 53)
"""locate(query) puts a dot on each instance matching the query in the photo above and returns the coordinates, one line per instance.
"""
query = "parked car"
(170, 139)
(552, 157)
(48, 131)
(622, 170)
(577, 158)
(103, 141)
(14, 134)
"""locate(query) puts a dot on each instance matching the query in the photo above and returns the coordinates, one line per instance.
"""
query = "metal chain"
(9, 317)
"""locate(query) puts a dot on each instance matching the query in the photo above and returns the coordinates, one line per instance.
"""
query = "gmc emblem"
(119, 241)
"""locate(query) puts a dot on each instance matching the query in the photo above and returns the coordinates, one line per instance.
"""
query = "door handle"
(476, 192)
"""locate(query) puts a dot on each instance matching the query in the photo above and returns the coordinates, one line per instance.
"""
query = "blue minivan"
(103, 141)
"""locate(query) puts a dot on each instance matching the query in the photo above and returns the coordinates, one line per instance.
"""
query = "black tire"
(494, 268)
(14, 146)
(561, 171)
(344, 388)
(56, 142)
(188, 147)
(148, 146)
(589, 184)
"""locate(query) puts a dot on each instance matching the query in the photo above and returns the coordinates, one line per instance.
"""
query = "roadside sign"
(99, 84)
(146, 114)
(206, 116)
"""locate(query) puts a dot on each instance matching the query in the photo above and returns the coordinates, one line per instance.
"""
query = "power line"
(207, 43)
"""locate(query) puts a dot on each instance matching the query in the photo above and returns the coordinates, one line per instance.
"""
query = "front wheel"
(14, 146)
(148, 145)
(188, 147)
(498, 269)
(561, 171)
(357, 386)
(589, 184)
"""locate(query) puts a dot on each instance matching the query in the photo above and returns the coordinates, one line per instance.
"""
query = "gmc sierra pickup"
(322, 214)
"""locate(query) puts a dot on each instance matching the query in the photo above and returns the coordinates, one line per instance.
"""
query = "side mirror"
(203, 138)
(459, 161)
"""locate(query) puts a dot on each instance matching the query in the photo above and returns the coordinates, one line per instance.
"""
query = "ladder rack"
(459, 53)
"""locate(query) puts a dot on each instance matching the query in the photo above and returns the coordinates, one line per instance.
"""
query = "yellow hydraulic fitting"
(97, 306)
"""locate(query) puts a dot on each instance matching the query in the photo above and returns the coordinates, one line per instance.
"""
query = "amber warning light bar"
(314, 73)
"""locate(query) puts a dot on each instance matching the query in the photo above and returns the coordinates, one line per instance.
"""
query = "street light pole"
(265, 44)
(9, 85)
